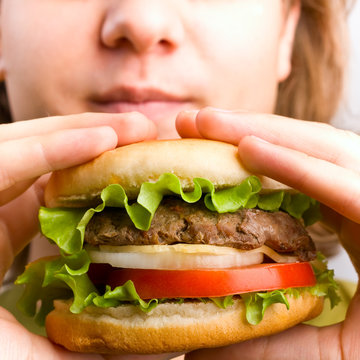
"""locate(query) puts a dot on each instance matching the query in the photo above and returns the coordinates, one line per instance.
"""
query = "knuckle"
(6, 180)
(343, 147)
(43, 157)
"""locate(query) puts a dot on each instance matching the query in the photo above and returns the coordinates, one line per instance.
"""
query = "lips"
(154, 103)
(137, 95)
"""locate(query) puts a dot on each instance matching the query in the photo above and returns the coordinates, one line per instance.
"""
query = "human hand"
(29, 150)
(320, 161)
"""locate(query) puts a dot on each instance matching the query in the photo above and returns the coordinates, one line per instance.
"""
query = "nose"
(142, 25)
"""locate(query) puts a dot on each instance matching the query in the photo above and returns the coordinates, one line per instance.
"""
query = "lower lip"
(154, 110)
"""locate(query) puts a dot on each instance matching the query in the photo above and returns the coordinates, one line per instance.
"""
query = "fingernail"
(219, 110)
(106, 136)
(256, 138)
(152, 131)
(188, 112)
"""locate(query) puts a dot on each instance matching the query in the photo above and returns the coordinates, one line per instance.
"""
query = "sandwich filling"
(171, 245)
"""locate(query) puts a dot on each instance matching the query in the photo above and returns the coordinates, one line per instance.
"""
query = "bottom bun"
(170, 327)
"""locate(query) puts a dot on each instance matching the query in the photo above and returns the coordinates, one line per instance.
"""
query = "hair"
(314, 87)
(5, 115)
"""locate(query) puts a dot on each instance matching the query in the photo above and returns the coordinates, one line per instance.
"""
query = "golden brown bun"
(135, 164)
(170, 327)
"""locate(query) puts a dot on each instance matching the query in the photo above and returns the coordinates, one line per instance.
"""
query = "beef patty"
(176, 221)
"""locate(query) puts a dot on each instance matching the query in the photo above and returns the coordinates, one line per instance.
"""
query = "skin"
(160, 58)
(124, 47)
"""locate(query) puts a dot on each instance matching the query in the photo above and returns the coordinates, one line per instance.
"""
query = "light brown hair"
(314, 88)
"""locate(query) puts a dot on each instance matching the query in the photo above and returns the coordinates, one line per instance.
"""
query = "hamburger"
(170, 246)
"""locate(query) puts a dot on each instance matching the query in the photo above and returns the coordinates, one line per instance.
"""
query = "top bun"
(134, 164)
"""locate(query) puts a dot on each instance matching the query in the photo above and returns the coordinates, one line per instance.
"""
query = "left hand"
(320, 161)
(28, 150)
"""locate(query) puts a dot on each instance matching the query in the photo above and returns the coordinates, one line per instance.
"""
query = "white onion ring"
(181, 256)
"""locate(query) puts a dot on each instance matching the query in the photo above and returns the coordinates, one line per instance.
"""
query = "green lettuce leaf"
(257, 303)
(65, 277)
(223, 302)
(35, 290)
(125, 293)
(325, 283)
(66, 226)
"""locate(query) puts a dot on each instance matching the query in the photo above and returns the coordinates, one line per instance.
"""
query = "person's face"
(154, 56)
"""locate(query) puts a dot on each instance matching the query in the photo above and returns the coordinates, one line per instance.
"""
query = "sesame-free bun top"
(134, 164)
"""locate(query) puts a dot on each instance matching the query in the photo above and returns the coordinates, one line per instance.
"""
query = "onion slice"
(181, 256)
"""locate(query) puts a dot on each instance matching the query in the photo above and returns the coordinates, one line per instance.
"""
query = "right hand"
(320, 161)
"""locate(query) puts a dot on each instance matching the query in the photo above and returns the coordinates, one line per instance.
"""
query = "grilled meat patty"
(176, 221)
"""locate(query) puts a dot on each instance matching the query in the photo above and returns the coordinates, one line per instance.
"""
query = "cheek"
(43, 49)
(242, 50)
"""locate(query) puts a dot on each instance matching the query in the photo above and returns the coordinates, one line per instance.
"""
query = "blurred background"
(348, 117)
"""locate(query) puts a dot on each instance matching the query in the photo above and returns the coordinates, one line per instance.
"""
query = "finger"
(315, 139)
(300, 342)
(10, 194)
(18, 343)
(220, 125)
(25, 159)
(186, 124)
(350, 334)
(142, 357)
(130, 127)
(6, 251)
(134, 127)
(331, 218)
(38, 347)
(13, 236)
(328, 183)
(349, 234)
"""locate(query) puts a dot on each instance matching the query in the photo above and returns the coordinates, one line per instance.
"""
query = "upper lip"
(137, 95)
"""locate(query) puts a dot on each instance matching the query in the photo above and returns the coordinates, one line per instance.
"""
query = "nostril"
(122, 41)
(163, 42)
(165, 45)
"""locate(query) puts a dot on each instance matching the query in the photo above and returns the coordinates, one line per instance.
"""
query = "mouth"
(153, 103)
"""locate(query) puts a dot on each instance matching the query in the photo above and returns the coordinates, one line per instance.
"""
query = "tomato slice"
(152, 284)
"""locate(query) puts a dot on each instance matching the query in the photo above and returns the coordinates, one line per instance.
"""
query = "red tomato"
(152, 284)
(98, 273)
